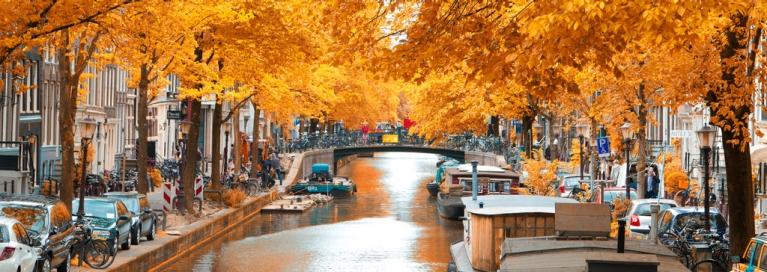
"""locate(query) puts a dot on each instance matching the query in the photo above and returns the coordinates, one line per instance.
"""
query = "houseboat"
(491, 180)
(433, 187)
(321, 181)
(492, 218)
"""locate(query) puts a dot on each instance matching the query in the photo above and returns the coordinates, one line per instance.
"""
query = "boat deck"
(294, 203)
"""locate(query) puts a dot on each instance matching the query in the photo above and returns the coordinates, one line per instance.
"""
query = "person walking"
(653, 182)
(365, 133)
(276, 166)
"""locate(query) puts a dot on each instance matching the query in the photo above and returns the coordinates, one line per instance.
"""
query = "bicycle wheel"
(702, 266)
(684, 258)
(98, 254)
(245, 189)
(255, 189)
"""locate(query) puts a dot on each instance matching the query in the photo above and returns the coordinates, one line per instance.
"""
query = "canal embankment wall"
(165, 250)
(483, 158)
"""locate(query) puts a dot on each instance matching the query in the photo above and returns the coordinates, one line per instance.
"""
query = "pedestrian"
(365, 133)
(276, 166)
(652, 184)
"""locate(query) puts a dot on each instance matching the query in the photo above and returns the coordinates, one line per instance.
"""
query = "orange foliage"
(156, 177)
(234, 198)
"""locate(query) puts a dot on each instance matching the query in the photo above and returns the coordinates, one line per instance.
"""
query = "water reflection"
(391, 224)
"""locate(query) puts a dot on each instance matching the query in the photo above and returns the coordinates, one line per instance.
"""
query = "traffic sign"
(603, 147)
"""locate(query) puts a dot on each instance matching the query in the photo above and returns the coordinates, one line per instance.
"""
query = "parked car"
(144, 220)
(19, 253)
(639, 215)
(673, 219)
(46, 221)
(110, 219)
(568, 182)
(610, 194)
(749, 261)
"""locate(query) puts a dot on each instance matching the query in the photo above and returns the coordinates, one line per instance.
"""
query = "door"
(26, 256)
(146, 218)
(123, 226)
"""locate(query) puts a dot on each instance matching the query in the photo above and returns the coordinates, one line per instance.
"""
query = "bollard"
(474, 180)
(701, 252)
(654, 209)
(621, 234)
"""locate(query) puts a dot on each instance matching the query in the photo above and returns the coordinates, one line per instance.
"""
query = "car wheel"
(126, 245)
(136, 236)
(152, 232)
(45, 264)
(114, 245)
(66, 266)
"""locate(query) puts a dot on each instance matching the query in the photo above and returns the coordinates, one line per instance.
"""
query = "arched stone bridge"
(334, 155)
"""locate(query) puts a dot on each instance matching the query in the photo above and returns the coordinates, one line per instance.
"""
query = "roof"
(29, 199)
(653, 200)
(510, 204)
(97, 198)
(688, 209)
(124, 194)
(456, 172)
(8, 221)
(535, 254)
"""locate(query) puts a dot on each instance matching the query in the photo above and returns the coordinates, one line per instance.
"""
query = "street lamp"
(581, 130)
(87, 127)
(627, 134)
(227, 127)
(706, 141)
(185, 125)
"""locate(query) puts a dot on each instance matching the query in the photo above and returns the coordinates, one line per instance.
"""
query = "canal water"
(391, 224)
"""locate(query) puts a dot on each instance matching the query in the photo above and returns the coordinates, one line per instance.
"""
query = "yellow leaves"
(541, 176)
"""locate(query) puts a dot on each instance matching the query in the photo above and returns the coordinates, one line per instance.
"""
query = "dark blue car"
(673, 219)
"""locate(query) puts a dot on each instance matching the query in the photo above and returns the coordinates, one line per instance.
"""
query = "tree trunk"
(255, 158)
(191, 155)
(141, 110)
(215, 174)
(67, 111)
(237, 141)
(527, 134)
(641, 134)
(738, 162)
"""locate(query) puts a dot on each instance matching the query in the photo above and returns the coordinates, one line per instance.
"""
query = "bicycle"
(96, 253)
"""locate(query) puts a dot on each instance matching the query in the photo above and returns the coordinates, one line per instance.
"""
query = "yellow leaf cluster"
(234, 198)
(541, 176)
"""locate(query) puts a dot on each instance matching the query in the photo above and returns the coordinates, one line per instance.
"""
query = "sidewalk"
(149, 255)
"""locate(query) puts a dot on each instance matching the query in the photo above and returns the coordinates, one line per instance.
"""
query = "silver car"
(566, 184)
(639, 214)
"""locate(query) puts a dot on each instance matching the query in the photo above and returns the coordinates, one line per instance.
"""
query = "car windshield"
(100, 209)
(644, 208)
(573, 181)
(130, 202)
(697, 220)
(31, 217)
(609, 195)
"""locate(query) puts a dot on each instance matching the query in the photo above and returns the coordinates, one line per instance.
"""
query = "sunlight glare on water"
(390, 224)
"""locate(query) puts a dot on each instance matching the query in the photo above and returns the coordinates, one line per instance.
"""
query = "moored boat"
(321, 181)
(457, 183)
(433, 187)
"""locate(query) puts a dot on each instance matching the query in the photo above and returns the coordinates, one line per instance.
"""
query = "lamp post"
(227, 127)
(706, 140)
(185, 125)
(581, 130)
(627, 134)
(87, 127)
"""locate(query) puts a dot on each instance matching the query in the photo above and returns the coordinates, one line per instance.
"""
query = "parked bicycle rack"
(220, 195)
(164, 217)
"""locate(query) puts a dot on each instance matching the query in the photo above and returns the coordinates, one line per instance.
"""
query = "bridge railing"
(466, 142)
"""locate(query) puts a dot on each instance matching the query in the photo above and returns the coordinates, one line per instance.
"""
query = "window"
(121, 210)
(21, 234)
(63, 216)
(763, 262)
(644, 209)
(144, 204)
(665, 221)
(4, 235)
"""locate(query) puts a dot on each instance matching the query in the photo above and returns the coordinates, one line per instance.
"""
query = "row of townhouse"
(32, 118)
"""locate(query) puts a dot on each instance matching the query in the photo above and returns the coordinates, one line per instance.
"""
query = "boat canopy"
(481, 168)
(320, 167)
(510, 204)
